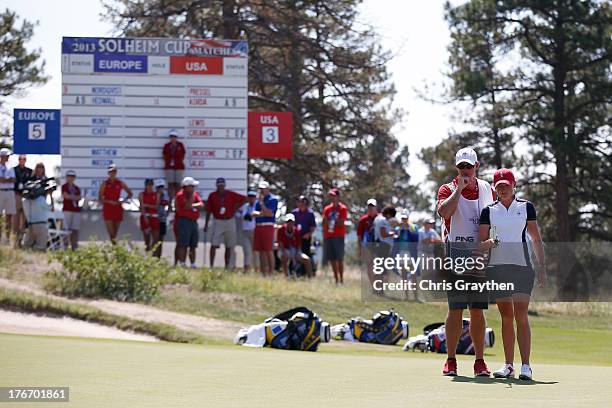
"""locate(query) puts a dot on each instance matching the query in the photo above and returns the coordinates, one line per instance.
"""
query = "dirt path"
(208, 327)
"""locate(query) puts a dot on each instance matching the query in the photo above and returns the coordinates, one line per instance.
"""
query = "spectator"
(149, 217)
(71, 194)
(36, 210)
(384, 231)
(406, 243)
(305, 220)
(428, 237)
(188, 205)
(222, 204)
(247, 228)
(365, 226)
(290, 246)
(110, 197)
(162, 214)
(22, 175)
(174, 166)
(265, 216)
(334, 231)
(7, 195)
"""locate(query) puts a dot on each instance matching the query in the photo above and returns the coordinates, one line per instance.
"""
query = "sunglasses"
(465, 166)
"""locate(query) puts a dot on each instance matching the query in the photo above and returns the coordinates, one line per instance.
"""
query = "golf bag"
(386, 327)
(434, 339)
(296, 329)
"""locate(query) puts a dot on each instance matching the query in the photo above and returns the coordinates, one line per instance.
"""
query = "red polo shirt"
(174, 156)
(228, 200)
(181, 212)
(339, 228)
(71, 205)
(294, 241)
(469, 193)
(364, 224)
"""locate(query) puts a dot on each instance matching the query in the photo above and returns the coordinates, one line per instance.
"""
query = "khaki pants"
(36, 236)
(247, 246)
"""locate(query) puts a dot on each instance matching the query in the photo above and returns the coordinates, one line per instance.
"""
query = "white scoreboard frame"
(122, 96)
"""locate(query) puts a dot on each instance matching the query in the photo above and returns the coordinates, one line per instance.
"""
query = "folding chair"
(58, 237)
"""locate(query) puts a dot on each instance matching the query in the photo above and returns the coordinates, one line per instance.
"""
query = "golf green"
(106, 373)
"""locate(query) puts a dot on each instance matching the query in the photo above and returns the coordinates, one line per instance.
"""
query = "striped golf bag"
(386, 327)
(296, 329)
(436, 338)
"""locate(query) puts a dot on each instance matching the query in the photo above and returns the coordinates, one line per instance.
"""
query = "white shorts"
(224, 231)
(72, 220)
(7, 202)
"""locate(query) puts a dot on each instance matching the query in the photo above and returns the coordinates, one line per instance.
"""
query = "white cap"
(173, 132)
(71, 173)
(264, 184)
(189, 181)
(160, 182)
(466, 155)
(405, 213)
(372, 201)
(5, 152)
(289, 217)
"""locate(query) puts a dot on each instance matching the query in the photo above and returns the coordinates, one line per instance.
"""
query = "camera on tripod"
(39, 188)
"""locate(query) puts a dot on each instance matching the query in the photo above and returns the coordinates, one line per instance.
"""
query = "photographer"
(36, 208)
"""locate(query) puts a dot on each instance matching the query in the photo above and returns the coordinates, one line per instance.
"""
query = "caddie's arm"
(447, 208)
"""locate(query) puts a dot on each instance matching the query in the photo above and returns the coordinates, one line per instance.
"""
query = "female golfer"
(503, 225)
(149, 217)
(109, 195)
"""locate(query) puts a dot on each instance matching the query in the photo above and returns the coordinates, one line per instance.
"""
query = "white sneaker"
(193, 266)
(526, 373)
(507, 371)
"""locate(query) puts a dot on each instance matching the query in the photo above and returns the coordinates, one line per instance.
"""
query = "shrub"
(209, 280)
(107, 271)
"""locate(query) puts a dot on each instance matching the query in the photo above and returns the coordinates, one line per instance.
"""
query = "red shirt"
(364, 224)
(150, 199)
(71, 205)
(191, 213)
(112, 191)
(469, 193)
(341, 214)
(293, 240)
(174, 155)
(228, 201)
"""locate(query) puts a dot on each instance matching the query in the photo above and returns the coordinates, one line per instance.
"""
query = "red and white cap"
(504, 176)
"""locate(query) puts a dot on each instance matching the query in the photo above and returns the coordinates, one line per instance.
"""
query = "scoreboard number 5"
(269, 134)
(36, 131)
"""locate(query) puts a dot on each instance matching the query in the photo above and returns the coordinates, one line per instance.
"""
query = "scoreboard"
(121, 97)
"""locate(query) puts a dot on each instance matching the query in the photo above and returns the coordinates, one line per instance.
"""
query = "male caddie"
(460, 203)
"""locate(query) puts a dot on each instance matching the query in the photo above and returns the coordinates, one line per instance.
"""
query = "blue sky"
(414, 31)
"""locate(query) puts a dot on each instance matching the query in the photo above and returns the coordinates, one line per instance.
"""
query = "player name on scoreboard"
(122, 96)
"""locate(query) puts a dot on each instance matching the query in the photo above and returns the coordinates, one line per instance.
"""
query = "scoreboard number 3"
(36, 131)
(269, 134)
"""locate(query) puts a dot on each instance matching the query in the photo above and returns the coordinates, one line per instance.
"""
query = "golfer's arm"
(447, 208)
(483, 232)
(101, 194)
(534, 232)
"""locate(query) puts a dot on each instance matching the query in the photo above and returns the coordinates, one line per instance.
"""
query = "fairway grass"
(103, 373)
